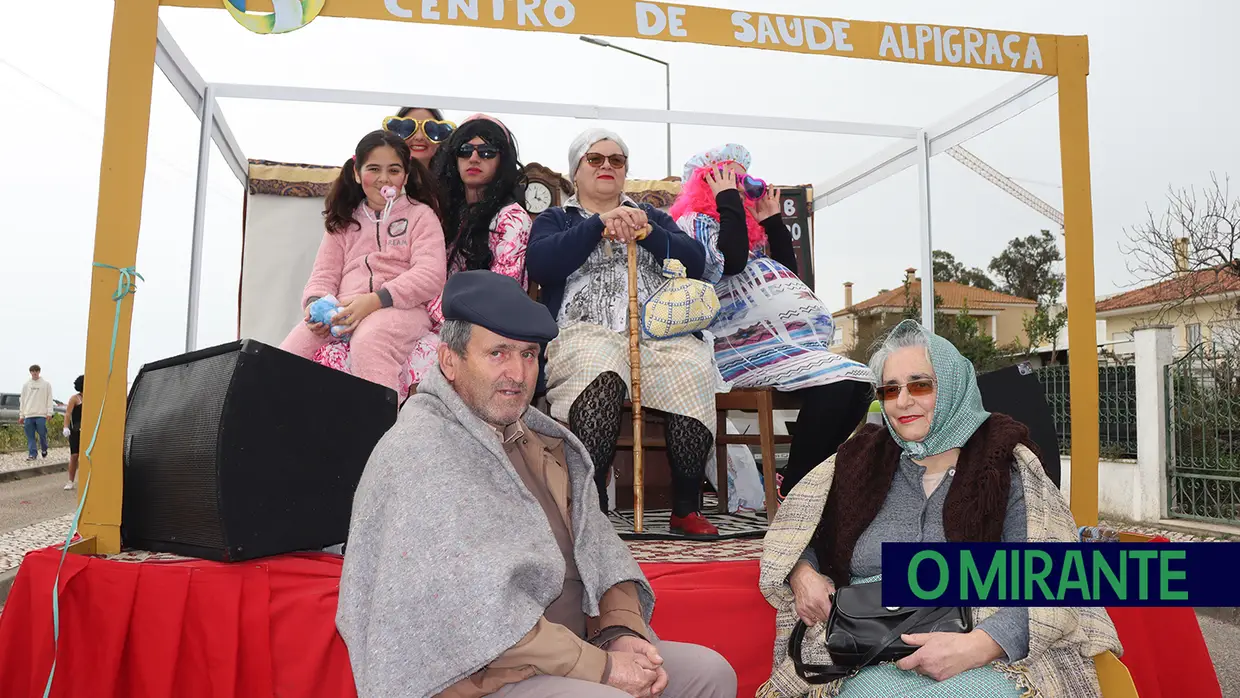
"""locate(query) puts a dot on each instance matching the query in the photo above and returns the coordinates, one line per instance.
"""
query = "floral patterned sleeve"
(705, 230)
(509, 237)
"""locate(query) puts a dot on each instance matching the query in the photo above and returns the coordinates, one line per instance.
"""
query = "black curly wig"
(467, 227)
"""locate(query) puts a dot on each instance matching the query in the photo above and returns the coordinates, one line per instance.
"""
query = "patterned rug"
(655, 524)
(696, 551)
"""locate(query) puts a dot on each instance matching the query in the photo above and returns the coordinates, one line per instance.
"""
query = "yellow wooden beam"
(131, 69)
(902, 42)
(1079, 245)
(85, 546)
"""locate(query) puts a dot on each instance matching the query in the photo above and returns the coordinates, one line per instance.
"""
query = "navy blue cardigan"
(562, 239)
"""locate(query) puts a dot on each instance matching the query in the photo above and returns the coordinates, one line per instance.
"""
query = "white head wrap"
(581, 144)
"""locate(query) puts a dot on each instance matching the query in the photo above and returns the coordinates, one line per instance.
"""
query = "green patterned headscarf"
(958, 410)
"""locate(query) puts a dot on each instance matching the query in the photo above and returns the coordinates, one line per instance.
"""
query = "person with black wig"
(485, 226)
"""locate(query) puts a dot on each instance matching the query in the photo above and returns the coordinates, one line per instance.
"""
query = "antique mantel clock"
(545, 188)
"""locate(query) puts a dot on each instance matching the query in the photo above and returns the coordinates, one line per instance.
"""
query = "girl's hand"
(316, 327)
(812, 592)
(943, 655)
(720, 179)
(355, 311)
(768, 205)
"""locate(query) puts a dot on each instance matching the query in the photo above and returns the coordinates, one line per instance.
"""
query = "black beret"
(498, 303)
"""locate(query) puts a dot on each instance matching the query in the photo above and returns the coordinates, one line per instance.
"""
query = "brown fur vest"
(865, 465)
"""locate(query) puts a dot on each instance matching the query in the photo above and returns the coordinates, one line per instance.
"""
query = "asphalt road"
(31, 500)
(1223, 639)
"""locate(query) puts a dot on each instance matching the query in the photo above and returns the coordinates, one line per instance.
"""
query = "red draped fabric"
(198, 629)
(185, 629)
(717, 604)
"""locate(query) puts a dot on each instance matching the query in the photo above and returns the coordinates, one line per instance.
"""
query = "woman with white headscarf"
(577, 255)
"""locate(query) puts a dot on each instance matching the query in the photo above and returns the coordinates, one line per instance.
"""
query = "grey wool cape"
(450, 559)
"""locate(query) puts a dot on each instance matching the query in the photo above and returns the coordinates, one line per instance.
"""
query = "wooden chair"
(764, 402)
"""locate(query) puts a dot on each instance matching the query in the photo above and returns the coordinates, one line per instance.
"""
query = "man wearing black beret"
(479, 561)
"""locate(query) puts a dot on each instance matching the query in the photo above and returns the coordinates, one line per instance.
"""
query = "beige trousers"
(693, 671)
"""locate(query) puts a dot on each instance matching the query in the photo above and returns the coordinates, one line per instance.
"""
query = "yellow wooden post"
(1079, 245)
(131, 69)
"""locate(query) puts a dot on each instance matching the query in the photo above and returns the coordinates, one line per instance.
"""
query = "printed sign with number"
(796, 216)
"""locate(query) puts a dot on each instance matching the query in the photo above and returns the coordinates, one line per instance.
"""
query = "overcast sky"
(1159, 115)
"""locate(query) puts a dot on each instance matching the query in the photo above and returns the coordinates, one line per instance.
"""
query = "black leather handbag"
(861, 631)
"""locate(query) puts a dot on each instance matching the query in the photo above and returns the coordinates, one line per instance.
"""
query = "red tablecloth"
(197, 629)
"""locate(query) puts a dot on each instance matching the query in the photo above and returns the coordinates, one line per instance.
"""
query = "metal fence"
(1117, 408)
(1203, 433)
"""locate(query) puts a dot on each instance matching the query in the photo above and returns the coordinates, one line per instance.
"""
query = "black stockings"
(688, 446)
(595, 418)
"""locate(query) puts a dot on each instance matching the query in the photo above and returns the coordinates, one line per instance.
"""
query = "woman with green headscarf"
(939, 469)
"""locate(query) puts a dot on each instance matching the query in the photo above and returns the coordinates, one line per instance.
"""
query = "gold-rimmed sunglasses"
(436, 131)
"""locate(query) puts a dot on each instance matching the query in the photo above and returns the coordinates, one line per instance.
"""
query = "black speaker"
(1017, 392)
(243, 450)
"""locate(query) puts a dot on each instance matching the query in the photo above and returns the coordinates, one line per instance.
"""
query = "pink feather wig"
(696, 197)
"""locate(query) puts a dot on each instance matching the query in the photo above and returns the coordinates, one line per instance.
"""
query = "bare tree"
(1193, 248)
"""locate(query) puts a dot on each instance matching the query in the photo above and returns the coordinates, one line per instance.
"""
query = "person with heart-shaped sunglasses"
(778, 336)
(422, 129)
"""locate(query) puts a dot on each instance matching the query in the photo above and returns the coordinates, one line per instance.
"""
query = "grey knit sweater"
(909, 516)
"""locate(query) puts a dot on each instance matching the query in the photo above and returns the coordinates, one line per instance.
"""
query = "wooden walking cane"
(635, 371)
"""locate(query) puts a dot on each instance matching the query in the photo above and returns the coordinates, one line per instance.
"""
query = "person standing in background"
(36, 408)
(73, 429)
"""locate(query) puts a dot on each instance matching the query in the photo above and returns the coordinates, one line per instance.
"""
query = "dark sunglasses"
(436, 131)
(486, 151)
(917, 388)
(617, 161)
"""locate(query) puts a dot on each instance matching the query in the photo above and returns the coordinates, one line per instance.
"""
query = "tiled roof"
(1206, 282)
(953, 295)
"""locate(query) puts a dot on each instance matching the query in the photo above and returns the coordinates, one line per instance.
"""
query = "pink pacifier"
(388, 192)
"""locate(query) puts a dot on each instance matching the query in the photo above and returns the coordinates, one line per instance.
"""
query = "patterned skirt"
(773, 332)
(677, 375)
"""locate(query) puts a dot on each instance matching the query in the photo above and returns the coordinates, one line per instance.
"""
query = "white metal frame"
(916, 146)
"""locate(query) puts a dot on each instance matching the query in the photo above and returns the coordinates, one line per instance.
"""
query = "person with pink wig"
(771, 330)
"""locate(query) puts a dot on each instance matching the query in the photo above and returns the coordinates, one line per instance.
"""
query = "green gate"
(1203, 434)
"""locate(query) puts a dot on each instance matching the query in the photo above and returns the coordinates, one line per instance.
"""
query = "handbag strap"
(826, 673)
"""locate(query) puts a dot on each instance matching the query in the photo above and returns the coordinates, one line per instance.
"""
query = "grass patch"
(13, 436)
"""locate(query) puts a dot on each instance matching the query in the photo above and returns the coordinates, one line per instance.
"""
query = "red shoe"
(693, 525)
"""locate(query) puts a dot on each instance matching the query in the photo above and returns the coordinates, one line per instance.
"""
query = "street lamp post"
(667, 72)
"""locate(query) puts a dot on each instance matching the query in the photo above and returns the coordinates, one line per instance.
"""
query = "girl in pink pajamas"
(383, 259)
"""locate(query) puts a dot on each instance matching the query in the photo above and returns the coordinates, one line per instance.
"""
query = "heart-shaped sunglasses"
(436, 131)
(753, 187)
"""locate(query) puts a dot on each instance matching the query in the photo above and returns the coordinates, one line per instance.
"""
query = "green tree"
(1025, 268)
(1043, 327)
(947, 268)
